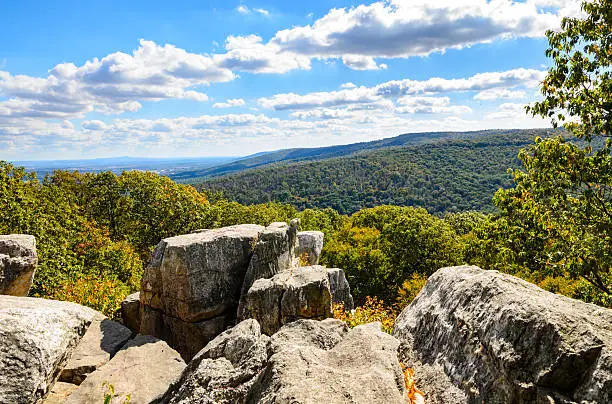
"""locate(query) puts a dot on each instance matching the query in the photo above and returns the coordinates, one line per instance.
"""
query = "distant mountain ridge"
(321, 153)
(447, 174)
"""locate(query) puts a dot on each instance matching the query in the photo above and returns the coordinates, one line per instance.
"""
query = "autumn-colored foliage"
(100, 293)
(415, 396)
(372, 310)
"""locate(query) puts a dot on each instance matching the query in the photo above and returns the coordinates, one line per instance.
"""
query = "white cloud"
(507, 110)
(398, 88)
(230, 103)
(404, 28)
(430, 105)
(93, 125)
(348, 85)
(262, 11)
(249, 54)
(358, 62)
(114, 84)
(242, 9)
(500, 93)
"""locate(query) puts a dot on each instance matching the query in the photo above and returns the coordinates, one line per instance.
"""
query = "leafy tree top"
(578, 88)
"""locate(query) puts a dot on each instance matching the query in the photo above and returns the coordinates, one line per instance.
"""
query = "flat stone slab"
(101, 341)
(37, 337)
(60, 393)
(142, 369)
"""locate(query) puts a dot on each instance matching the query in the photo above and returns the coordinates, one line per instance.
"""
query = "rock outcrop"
(501, 339)
(197, 285)
(340, 289)
(130, 312)
(274, 253)
(18, 262)
(310, 244)
(305, 362)
(37, 337)
(101, 342)
(190, 290)
(288, 296)
(142, 369)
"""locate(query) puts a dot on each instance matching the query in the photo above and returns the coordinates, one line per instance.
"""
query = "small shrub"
(109, 394)
(371, 311)
(102, 294)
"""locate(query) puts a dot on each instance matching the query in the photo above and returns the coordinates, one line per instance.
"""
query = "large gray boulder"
(501, 339)
(142, 369)
(101, 341)
(37, 337)
(274, 253)
(310, 244)
(191, 288)
(18, 261)
(305, 362)
(302, 293)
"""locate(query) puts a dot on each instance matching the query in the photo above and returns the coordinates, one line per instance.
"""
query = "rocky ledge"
(503, 340)
(472, 336)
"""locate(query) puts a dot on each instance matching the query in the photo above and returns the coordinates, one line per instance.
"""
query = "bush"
(103, 294)
(371, 311)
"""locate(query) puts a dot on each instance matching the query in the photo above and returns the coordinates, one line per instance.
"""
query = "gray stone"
(340, 289)
(274, 253)
(60, 393)
(310, 244)
(501, 339)
(225, 369)
(194, 280)
(361, 368)
(142, 369)
(187, 338)
(18, 261)
(234, 343)
(305, 362)
(300, 293)
(37, 337)
(130, 312)
(101, 341)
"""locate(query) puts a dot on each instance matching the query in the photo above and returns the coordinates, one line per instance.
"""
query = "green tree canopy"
(560, 209)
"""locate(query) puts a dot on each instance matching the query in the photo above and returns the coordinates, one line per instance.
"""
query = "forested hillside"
(443, 176)
(320, 153)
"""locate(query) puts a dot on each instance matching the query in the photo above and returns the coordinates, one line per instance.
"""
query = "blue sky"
(209, 78)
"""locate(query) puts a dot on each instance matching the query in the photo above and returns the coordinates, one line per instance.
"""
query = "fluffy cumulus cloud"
(114, 84)
(233, 102)
(250, 54)
(404, 28)
(398, 88)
